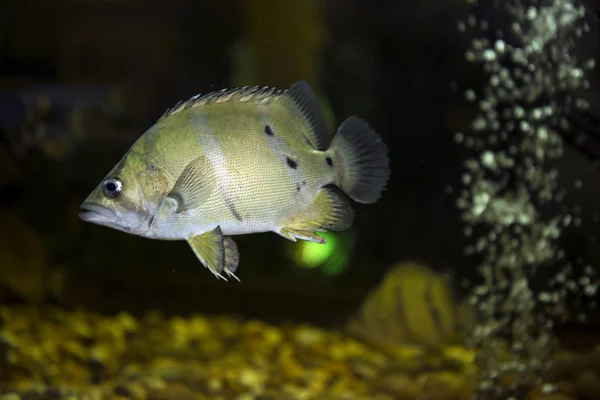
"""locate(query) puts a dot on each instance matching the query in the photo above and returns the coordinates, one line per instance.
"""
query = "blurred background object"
(80, 81)
(412, 305)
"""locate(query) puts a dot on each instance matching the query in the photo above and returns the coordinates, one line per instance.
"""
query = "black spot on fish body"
(291, 163)
(298, 187)
(269, 131)
(304, 183)
(329, 161)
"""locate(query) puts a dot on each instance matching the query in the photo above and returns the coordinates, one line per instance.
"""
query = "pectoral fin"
(216, 252)
(194, 185)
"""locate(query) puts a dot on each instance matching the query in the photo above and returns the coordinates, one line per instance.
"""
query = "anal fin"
(329, 211)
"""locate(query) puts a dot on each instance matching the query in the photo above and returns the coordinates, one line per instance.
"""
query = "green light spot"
(314, 254)
(331, 258)
(336, 265)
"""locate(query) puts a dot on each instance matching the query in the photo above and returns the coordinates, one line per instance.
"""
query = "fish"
(238, 161)
(412, 305)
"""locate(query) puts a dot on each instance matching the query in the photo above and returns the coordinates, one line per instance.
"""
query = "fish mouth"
(97, 214)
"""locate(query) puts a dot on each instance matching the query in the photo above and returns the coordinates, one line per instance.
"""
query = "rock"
(440, 386)
(400, 386)
(202, 357)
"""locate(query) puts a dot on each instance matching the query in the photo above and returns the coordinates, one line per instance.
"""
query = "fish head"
(128, 198)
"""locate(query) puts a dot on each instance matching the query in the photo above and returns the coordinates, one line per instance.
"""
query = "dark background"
(81, 80)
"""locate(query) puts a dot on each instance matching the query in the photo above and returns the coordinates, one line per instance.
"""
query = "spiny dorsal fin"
(257, 94)
(300, 96)
(306, 103)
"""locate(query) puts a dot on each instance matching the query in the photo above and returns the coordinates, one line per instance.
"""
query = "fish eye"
(112, 187)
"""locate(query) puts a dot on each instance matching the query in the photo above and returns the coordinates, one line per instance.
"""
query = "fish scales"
(212, 131)
(249, 174)
(241, 161)
(274, 196)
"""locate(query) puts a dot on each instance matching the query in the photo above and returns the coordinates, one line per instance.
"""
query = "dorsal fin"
(306, 103)
(257, 94)
(300, 96)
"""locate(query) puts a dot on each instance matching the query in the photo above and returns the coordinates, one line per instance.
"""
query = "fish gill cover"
(511, 202)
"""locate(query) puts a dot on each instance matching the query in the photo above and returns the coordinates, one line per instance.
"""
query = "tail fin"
(361, 161)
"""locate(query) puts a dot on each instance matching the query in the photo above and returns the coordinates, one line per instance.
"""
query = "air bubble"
(489, 55)
(500, 46)
(515, 134)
